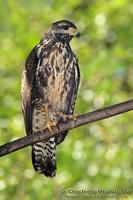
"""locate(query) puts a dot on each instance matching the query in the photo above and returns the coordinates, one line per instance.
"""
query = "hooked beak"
(77, 34)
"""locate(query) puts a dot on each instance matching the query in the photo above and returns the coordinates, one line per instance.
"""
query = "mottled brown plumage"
(49, 90)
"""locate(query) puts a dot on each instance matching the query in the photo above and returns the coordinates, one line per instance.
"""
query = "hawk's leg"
(66, 117)
(62, 115)
(73, 116)
(49, 123)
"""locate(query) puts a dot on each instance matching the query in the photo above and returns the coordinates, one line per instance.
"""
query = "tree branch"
(70, 124)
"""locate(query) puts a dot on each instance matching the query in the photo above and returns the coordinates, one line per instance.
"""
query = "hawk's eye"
(65, 27)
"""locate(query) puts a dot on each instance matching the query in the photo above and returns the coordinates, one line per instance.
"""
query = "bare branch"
(70, 124)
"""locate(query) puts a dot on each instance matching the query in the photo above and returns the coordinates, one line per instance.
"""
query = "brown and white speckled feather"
(51, 77)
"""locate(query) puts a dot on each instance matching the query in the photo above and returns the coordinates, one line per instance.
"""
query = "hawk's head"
(65, 30)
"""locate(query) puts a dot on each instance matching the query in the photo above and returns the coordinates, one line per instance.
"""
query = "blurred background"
(95, 156)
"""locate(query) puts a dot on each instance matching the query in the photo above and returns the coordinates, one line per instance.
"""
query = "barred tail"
(43, 157)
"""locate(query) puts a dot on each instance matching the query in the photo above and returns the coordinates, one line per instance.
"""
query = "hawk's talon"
(65, 117)
(73, 116)
(49, 123)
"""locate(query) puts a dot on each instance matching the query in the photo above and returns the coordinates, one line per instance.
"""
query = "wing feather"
(27, 79)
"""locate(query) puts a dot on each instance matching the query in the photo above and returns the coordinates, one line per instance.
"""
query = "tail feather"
(43, 157)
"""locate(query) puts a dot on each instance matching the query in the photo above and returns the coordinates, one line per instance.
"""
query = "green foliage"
(98, 155)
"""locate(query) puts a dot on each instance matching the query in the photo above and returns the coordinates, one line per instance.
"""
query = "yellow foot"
(65, 117)
(49, 123)
(73, 116)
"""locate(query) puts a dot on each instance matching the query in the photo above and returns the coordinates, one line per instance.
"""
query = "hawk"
(49, 89)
